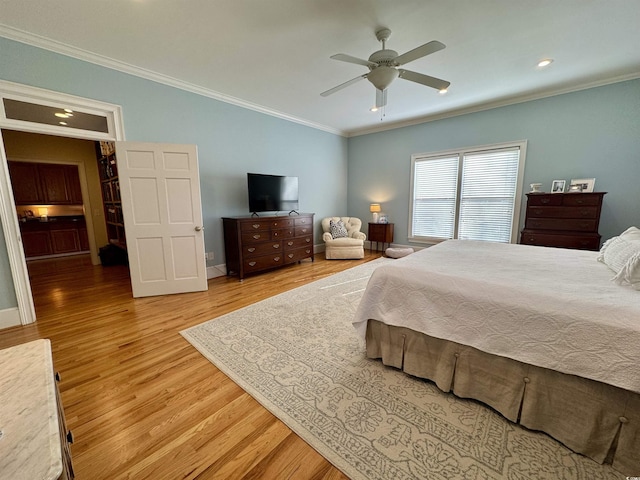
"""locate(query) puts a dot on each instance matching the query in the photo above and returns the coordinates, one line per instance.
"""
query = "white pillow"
(623, 257)
(631, 233)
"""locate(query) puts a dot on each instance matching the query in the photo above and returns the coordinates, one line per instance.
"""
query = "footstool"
(394, 252)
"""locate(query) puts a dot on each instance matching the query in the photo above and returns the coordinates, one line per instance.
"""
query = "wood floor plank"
(141, 401)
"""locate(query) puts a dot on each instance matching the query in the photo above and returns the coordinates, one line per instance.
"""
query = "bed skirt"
(589, 417)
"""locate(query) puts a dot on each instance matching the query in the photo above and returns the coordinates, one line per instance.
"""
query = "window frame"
(461, 152)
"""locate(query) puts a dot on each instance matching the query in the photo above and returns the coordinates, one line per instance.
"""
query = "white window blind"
(470, 194)
(435, 191)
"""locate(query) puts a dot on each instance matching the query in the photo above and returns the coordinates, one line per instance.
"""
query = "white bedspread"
(551, 307)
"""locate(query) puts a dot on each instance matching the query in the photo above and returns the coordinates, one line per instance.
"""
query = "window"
(470, 194)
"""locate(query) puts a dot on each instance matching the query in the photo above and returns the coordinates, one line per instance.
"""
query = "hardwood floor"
(141, 401)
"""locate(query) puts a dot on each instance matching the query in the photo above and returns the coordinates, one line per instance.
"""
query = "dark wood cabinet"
(59, 235)
(36, 243)
(565, 220)
(380, 232)
(25, 181)
(65, 240)
(45, 184)
(253, 244)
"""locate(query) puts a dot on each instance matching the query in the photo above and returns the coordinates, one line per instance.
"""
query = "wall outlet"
(209, 255)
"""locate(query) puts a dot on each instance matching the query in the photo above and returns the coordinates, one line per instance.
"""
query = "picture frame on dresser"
(586, 184)
(557, 186)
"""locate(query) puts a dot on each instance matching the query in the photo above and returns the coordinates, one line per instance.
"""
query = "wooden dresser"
(253, 244)
(566, 220)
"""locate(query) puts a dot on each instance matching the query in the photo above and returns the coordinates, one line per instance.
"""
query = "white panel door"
(160, 192)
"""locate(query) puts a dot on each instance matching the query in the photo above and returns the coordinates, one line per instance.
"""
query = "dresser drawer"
(291, 256)
(303, 221)
(278, 234)
(302, 231)
(255, 225)
(259, 263)
(297, 242)
(581, 242)
(574, 224)
(563, 212)
(284, 223)
(259, 236)
(265, 248)
(576, 199)
(545, 200)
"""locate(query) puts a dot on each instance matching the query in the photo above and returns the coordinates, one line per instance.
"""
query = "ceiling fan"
(383, 68)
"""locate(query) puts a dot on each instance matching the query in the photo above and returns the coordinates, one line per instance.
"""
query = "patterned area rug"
(298, 355)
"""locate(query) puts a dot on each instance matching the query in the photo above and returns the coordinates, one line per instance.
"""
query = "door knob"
(198, 228)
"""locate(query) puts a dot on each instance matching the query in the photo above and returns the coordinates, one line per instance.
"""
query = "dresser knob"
(257, 236)
(252, 264)
(545, 200)
(290, 244)
(290, 255)
(276, 259)
(276, 245)
(308, 240)
(251, 250)
(256, 225)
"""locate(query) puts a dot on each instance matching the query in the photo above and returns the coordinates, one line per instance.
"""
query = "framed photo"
(383, 219)
(585, 184)
(558, 186)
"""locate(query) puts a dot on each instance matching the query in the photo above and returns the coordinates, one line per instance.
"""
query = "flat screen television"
(272, 193)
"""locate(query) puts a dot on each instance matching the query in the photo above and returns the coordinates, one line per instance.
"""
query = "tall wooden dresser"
(253, 244)
(566, 220)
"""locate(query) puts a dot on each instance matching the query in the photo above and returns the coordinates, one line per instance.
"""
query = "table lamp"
(375, 209)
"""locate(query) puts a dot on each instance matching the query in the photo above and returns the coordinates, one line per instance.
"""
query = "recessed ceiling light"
(62, 115)
(545, 63)
(68, 110)
(443, 91)
(62, 123)
(373, 109)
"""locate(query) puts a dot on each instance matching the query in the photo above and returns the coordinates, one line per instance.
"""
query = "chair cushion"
(338, 229)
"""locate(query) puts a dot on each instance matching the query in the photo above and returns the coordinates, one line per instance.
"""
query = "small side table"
(380, 232)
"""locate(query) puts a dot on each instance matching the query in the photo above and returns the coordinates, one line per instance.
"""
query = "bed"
(542, 335)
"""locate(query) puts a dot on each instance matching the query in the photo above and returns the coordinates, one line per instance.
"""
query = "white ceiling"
(273, 55)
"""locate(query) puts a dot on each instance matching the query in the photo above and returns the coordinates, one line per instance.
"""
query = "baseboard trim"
(9, 317)
(216, 271)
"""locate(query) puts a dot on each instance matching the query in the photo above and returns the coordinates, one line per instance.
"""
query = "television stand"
(253, 244)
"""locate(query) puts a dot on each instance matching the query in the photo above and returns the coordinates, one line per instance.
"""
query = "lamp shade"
(374, 207)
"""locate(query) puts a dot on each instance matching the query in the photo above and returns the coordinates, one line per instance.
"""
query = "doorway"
(19, 302)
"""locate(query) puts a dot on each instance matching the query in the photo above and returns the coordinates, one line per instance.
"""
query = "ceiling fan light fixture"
(381, 77)
(545, 63)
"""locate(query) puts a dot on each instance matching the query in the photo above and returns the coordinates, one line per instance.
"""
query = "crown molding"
(62, 48)
(495, 104)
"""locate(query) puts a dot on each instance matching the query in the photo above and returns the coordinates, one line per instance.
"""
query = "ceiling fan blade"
(349, 59)
(432, 82)
(343, 85)
(381, 98)
(419, 52)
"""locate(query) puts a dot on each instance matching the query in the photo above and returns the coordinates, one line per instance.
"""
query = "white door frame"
(15, 91)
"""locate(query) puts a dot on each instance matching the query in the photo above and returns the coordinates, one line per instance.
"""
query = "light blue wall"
(231, 140)
(585, 134)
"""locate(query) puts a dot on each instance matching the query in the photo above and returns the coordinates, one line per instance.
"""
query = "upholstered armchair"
(343, 238)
